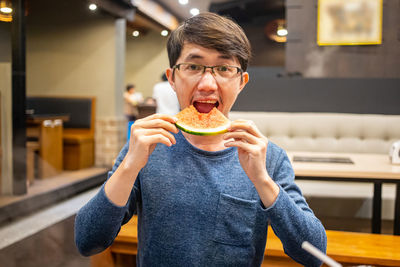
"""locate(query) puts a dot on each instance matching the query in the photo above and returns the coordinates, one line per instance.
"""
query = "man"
(165, 97)
(202, 201)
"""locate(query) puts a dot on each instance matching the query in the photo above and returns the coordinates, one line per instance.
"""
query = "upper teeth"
(208, 101)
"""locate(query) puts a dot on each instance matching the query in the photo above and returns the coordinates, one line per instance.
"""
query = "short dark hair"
(129, 86)
(164, 77)
(211, 31)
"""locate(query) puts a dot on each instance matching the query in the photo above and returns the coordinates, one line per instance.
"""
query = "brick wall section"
(110, 137)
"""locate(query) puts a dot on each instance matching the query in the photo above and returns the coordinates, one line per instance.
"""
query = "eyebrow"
(197, 56)
(193, 56)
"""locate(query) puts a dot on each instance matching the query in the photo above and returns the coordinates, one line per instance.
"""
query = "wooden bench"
(344, 247)
(78, 131)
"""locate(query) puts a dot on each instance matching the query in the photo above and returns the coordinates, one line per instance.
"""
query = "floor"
(45, 192)
(53, 247)
(44, 235)
(41, 186)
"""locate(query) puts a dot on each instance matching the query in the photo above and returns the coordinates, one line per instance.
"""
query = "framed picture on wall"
(349, 22)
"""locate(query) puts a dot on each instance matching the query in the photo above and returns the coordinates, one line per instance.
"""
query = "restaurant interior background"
(66, 49)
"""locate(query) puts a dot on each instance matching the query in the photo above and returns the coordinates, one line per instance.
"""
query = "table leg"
(377, 208)
(396, 226)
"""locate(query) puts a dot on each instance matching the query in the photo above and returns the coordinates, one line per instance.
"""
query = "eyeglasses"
(221, 71)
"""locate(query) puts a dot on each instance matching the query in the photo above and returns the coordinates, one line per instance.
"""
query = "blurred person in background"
(131, 101)
(165, 97)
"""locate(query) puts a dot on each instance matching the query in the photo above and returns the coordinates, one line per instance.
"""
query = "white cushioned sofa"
(333, 132)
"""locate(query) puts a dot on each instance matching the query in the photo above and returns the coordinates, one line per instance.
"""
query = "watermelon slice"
(194, 122)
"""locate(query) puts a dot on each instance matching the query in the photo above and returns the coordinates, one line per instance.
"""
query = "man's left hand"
(252, 150)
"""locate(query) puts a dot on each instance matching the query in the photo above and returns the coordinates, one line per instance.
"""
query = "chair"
(51, 148)
(32, 147)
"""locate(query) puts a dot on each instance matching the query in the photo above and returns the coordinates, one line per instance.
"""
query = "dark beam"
(18, 35)
(120, 8)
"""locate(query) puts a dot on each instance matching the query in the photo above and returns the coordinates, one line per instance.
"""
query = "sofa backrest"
(79, 109)
(327, 132)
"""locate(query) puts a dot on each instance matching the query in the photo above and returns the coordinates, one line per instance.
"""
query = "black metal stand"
(396, 226)
(377, 208)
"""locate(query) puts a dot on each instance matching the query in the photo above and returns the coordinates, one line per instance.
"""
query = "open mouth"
(205, 106)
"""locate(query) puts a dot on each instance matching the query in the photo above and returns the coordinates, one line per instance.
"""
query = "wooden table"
(345, 247)
(35, 119)
(48, 130)
(370, 168)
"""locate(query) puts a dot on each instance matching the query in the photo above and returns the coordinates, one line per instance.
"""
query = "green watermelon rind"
(209, 131)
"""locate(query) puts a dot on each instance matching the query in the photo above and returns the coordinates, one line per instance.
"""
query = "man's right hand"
(146, 133)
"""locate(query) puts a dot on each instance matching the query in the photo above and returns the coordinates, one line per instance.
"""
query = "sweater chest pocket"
(235, 220)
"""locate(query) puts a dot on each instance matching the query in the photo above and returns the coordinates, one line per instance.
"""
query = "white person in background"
(165, 97)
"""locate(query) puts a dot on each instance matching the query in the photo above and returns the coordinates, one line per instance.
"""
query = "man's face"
(206, 91)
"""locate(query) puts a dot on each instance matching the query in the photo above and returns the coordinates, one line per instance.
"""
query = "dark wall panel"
(265, 92)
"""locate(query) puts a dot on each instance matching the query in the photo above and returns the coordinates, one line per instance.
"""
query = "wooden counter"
(344, 247)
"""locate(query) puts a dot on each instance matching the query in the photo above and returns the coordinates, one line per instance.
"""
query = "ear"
(244, 80)
(169, 73)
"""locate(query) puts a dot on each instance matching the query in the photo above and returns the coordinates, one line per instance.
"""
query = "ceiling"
(182, 12)
(240, 10)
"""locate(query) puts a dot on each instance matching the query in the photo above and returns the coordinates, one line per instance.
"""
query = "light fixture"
(281, 31)
(135, 33)
(93, 7)
(164, 33)
(194, 11)
(5, 11)
(183, 2)
(276, 30)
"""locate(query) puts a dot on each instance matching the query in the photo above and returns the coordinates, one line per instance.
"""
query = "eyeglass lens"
(223, 71)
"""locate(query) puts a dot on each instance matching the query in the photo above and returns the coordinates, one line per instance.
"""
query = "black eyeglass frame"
(238, 69)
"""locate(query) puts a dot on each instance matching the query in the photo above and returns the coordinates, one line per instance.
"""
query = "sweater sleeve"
(291, 218)
(99, 221)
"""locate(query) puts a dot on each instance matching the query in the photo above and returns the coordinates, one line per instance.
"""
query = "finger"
(156, 123)
(243, 136)
(156, 139)
(245, 125)
(239, 144)
(165, 117)
(149, 132)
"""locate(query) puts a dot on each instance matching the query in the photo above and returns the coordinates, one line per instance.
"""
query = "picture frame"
(349, 22)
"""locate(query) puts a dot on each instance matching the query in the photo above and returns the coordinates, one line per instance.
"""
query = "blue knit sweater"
(198, 208)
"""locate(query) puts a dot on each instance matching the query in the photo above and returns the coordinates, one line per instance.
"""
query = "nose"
(207, 81)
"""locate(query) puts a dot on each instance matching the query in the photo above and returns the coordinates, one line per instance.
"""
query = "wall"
(265, 52)
(144, 69)
(363, 61)
(355, 79)
(72, 52)
(5, 42)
